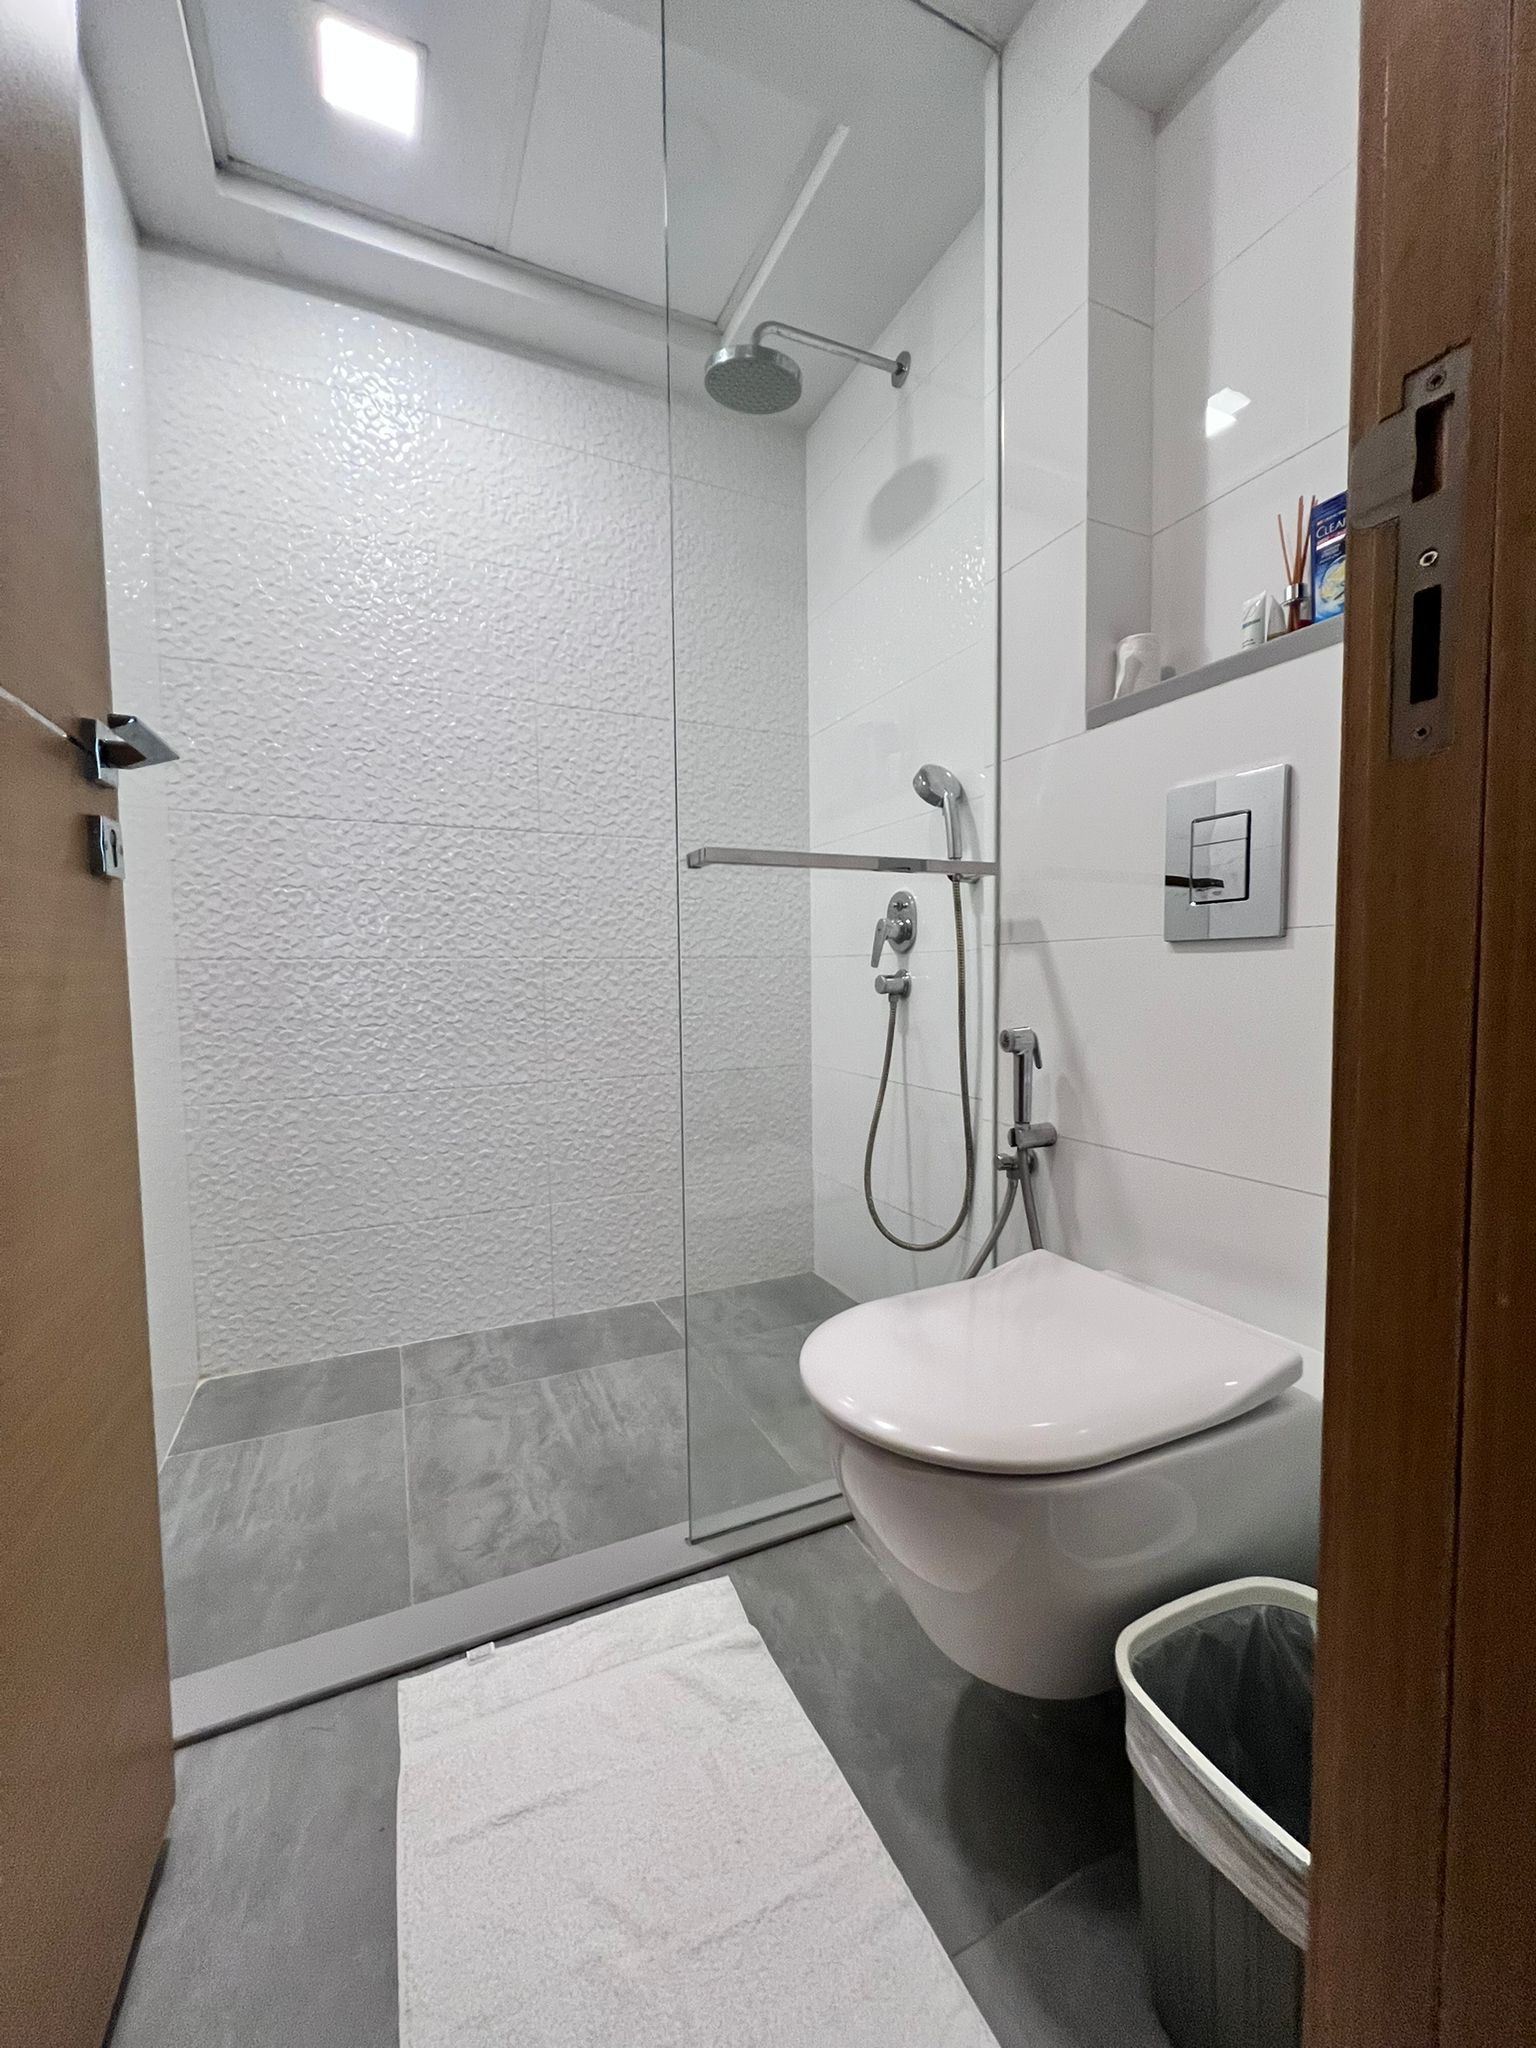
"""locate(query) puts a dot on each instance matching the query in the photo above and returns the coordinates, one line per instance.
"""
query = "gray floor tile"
(986, 1801)
(760, 1305)
(545, 1469)
(275, 1538)
(731, 1463)
(237, 1405)
(763, 1370)
(273, 1925)
(1067, 1972)
(274, 1922)
(487, 1359)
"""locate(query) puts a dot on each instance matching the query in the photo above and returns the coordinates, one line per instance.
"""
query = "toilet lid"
(1041, 1366)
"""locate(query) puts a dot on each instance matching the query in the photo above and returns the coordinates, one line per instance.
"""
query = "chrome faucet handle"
(898, 928)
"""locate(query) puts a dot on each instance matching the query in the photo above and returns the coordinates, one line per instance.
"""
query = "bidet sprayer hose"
(906, 1244)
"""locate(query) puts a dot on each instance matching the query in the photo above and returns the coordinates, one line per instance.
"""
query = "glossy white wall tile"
(1190, 1084)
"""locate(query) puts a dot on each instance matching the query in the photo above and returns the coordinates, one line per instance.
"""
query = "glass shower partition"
(832, 210)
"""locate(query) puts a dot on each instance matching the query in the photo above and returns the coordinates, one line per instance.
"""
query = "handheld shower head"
(943, 789)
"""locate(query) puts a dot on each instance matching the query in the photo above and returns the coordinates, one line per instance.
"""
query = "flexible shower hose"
(907, 1244)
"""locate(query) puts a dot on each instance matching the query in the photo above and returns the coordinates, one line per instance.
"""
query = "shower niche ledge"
(1246, 662)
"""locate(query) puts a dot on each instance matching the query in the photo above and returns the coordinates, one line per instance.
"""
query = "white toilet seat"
(1040, 1456)
(1041, 1366)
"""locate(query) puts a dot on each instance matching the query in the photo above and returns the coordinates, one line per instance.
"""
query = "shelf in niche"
(1246, 662)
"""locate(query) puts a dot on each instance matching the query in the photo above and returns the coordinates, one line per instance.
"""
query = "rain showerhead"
(753, 379)
(943, 789)
(750, 377)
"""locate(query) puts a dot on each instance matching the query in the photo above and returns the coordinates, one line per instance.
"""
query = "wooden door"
(85, 1758)
(1424, 1801)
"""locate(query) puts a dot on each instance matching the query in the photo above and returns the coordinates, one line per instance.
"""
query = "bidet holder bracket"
(1023, 1047)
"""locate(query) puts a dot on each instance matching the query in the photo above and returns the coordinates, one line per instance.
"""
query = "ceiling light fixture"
(1222, 409)
(372, 76)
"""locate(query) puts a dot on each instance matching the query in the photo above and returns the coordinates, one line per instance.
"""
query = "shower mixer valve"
(898, 930)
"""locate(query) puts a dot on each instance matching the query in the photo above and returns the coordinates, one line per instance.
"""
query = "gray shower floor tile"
(527, 1473)
(762, 1369)
(274, 1538)
(245, 1404)
(487, 1359)
(759, 1305)
(274, 1922)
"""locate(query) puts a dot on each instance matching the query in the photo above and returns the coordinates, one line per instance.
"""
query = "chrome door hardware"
(105, 843)
(121, 741)
(1412, 468)
(897, 929)
(1225, 856)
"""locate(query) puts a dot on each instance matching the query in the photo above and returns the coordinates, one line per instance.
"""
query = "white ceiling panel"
(481, 66)
(591, 200)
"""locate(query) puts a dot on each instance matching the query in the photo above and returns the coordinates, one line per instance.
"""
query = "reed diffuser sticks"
(1296, 563)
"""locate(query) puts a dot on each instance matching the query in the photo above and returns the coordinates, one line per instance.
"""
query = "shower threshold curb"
(227, 1696)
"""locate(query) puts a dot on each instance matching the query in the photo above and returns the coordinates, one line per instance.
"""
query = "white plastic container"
(1224, 1883)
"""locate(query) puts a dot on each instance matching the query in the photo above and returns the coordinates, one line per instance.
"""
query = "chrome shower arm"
(898, 367)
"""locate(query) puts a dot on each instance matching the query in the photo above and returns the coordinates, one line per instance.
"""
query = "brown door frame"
(1423, 1804)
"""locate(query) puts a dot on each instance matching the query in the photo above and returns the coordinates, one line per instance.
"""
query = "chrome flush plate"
(1226, 856)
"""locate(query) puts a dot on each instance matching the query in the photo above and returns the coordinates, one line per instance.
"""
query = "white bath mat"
(626, 1834)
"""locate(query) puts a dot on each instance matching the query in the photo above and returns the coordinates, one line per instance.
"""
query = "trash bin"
(1218, 1691)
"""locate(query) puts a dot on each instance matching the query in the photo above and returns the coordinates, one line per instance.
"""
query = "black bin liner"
(1239, 1686)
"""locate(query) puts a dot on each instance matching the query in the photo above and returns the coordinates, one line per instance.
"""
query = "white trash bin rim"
(1250, 1849)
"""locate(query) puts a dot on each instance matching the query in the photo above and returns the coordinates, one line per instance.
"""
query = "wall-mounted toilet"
(1039, 1456)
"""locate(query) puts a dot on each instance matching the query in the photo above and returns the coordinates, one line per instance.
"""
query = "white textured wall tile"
(415, 610)
(769, 1244)
(728, 913)
(739, 614)
(615, 1134)
(712, 446)
(610, 1016)
(740, 787)
(622, 1248)
(598, 895)
(304, 1028)
(358, 889)
(267, 1165)
(600, 772)
(753, 1010)
(285, 1300)
(478, 1272)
